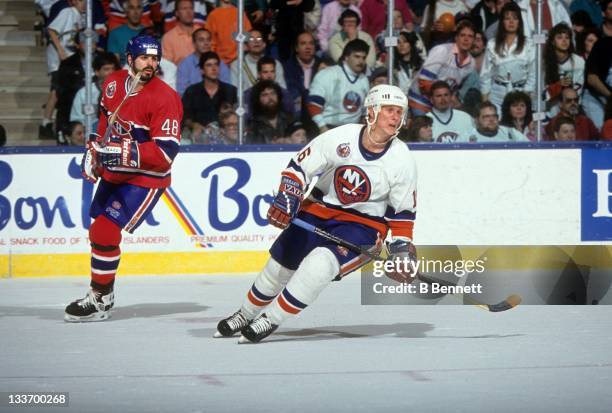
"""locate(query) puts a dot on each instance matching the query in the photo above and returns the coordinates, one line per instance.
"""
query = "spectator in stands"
(472, 81)
(569, 107)
(300, 69)
(484, 14)
(329, 20)
(120, 36)
(509, 62)
(62, 31)
(580, 21)
(517, 114)
(70, 78)
(606, 7)
(488, 129)
(337, 93)
(255, 49)
(289, 23)
(268, 121)
(435, 28)
(349, 22)
(585, 41)
(222, 23)
(103, 65)
(591, 7)
(448, 123)
(225, 131)
(177, 43)
(188, 71)
(564, 129)
(562, 67)
(399, 26)
(420, 129)
(199, 14)
(451, 62)
(599, 79)
(407, 61)
(202, 101)
(379, 76)
(74, 133)
(117, 15)
(266, 70)
(296, 134)
(606, 131)
(374, 15)
(554, 12)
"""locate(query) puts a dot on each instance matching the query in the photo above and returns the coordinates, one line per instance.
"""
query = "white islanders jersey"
(355, 185)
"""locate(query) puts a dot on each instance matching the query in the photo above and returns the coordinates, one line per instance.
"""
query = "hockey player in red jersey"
(132, 158)
(366, 187)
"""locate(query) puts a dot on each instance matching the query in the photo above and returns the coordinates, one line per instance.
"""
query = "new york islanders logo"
(343, 150)
(351, 102)
(111, 88)
(447, 137)
(352, 185)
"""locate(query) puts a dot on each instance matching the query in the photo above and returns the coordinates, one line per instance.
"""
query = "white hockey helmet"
(385, 95)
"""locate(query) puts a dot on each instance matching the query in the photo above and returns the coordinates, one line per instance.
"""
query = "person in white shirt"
(489, 130)
(509, 62)
(448, 123)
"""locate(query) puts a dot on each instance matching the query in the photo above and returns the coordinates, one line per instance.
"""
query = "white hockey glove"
(404, 256)
(89, 163)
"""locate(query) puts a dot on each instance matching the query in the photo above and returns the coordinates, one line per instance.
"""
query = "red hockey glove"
(118, 151)
(286, 203)
(403, 255)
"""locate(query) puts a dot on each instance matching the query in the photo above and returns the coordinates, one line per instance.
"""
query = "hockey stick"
(510, 302)
(113, 116)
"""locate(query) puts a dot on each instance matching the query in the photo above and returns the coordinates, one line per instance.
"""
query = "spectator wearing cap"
(349, 21)
(296, 133)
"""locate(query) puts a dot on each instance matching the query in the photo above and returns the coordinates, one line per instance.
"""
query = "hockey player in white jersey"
(366, 187)
(448, 123)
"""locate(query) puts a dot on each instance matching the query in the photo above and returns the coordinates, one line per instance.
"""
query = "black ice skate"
(94, 307)
(257, 330)
(231, 325)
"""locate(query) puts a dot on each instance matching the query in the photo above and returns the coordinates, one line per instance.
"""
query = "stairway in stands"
(24, 83)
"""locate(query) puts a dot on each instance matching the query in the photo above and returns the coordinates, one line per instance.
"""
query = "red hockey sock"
(105, 237)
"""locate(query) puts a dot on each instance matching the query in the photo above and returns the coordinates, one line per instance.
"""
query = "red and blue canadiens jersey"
(152, 117)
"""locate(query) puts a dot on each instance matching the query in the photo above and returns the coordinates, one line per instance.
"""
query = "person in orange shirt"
(177, 44)
(221, 23)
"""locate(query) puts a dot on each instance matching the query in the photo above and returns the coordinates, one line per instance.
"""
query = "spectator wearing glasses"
(570, 107)
(255, 50)
(489, 130)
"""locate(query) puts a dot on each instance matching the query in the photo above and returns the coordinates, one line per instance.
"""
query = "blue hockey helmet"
(144, 45)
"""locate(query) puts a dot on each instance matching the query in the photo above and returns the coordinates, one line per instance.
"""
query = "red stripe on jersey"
(323, 212)
(401, 228)
(314, 109)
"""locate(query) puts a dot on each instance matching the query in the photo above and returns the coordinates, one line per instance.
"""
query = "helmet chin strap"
(371, 127)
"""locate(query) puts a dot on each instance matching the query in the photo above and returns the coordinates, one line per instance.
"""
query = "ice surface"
(157, 353)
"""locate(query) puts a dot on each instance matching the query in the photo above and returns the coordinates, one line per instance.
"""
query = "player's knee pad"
(104, 234)
(275, 275)
(319, 267)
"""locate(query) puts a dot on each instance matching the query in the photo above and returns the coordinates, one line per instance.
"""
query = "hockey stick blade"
(507, 304)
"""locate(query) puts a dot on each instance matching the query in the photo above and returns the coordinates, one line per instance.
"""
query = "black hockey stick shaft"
(508, 303)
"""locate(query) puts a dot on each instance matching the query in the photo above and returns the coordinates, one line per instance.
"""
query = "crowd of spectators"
(468, 67)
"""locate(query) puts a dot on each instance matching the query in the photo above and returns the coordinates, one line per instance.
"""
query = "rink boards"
(212, 220)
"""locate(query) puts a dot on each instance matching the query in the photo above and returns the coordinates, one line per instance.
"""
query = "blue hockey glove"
(286, 203)
(403, 254)
(121, 152)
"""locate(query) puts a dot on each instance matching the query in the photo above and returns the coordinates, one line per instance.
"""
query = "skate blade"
(218, 335)
(244, 340)
(93, 318)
